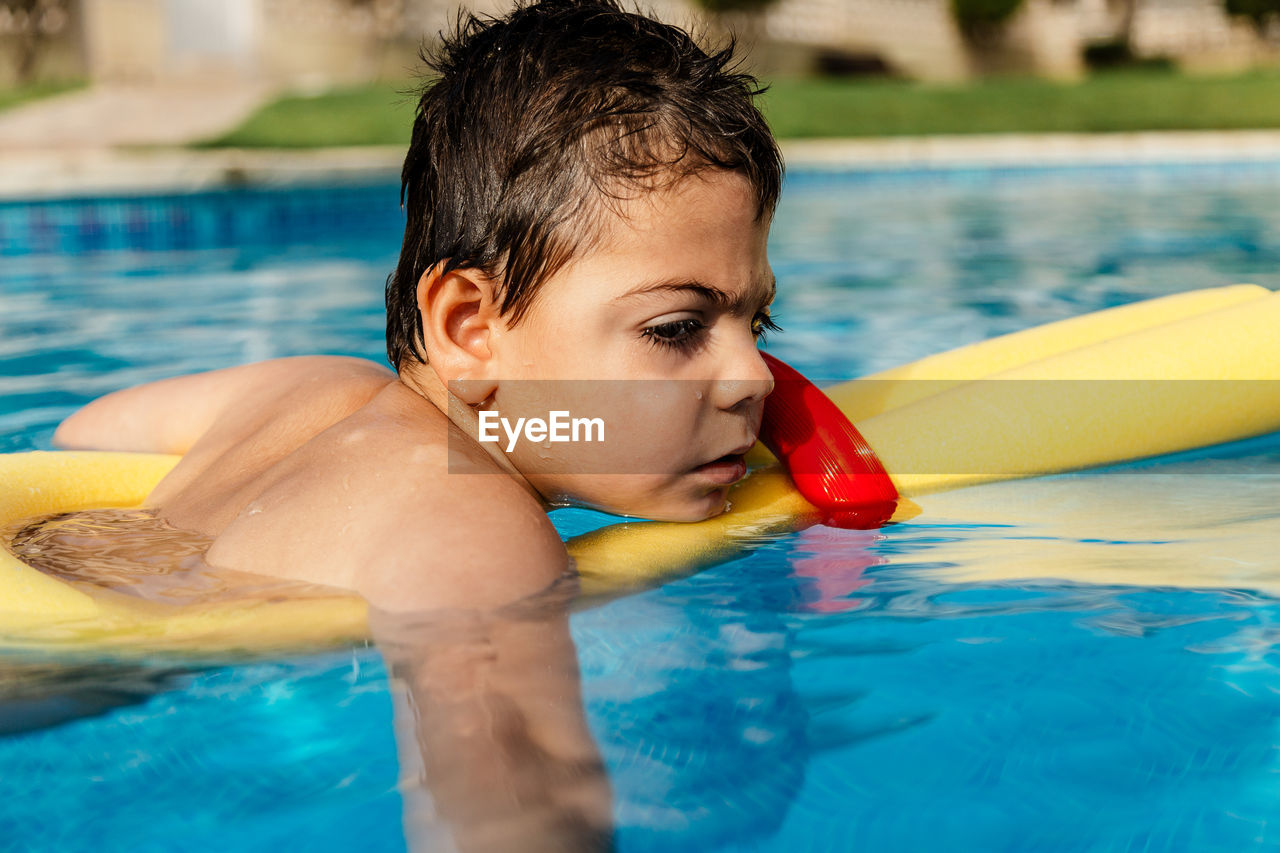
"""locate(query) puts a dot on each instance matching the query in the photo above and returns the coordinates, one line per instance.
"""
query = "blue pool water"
(1080, 663)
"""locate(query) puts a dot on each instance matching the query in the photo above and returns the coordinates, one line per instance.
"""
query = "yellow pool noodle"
(960, 432)
(969, 432)
(898, 386)
(1193, 382)
(37, 610)
(875, 393)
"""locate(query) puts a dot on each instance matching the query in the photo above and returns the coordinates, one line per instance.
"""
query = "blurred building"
(292, 42)
(316, 43)
(920, 39)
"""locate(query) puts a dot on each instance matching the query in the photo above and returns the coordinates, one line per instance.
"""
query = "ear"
(460, 325)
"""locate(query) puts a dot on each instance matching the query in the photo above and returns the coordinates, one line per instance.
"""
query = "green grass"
(22, 94)
(800, 108)
(1110, 102)
(376, 114)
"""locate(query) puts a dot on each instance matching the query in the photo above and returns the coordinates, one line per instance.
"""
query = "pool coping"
(63, 173)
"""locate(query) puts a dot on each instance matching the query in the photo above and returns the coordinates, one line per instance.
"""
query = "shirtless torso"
(332, 470)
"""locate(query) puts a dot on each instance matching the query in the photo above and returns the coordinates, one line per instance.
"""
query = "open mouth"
(726, 470)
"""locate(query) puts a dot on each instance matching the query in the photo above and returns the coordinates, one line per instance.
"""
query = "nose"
(748, 380)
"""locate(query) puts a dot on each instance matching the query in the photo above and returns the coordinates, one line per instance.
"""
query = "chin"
(692, 508)
(652, 498)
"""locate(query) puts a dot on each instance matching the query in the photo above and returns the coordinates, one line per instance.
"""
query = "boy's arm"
(495, 731)
(470, 608)
(170, 415)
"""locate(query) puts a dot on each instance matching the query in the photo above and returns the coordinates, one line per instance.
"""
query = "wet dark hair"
(539, 118)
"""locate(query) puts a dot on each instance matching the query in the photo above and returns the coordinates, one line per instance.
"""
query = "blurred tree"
(1116, 52)
(743, 19)
(29, 25)
(982, 20)
(388, 21)
(387, 18)
(1259, 12)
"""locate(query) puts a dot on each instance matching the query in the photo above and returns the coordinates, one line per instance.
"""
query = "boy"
(588, 197)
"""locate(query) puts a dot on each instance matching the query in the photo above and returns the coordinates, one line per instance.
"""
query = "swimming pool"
(832, 690)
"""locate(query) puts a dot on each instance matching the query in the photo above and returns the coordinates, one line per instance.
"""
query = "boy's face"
(654, 333)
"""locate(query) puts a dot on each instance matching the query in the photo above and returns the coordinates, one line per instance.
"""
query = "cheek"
(654, 420)
(652, 437)
(563, 347)
(650, 427)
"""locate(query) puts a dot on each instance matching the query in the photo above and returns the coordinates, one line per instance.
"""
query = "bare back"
(330, 470)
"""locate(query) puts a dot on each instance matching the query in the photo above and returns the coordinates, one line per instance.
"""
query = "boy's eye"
(676, 334)
(686, 333)
(762, 324)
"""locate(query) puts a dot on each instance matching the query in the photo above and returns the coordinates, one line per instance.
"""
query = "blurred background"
(302, 73)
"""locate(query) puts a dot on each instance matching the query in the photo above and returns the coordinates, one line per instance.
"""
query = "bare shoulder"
(305, 387)
(461, 540)
(308, 386)
(306, 368)
(372, 504)
(171, 415)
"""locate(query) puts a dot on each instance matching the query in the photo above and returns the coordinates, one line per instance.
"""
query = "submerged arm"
(496, 730)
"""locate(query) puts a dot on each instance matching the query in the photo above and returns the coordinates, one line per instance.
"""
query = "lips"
(725, 471)
(728, 469)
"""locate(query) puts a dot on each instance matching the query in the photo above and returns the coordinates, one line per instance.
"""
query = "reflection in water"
(835, 564)
(492, 734)
(1071, 707)
(291, 754)
(812, 695)
(821, 688)
(689, 691)
(490, 712)
(36, 695)
(1199, 524)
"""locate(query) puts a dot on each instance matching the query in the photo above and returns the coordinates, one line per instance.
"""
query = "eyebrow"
(714, 295)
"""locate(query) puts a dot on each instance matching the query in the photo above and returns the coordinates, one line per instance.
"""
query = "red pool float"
(830, 462)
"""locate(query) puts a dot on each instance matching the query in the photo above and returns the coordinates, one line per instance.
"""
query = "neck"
(423, 381)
